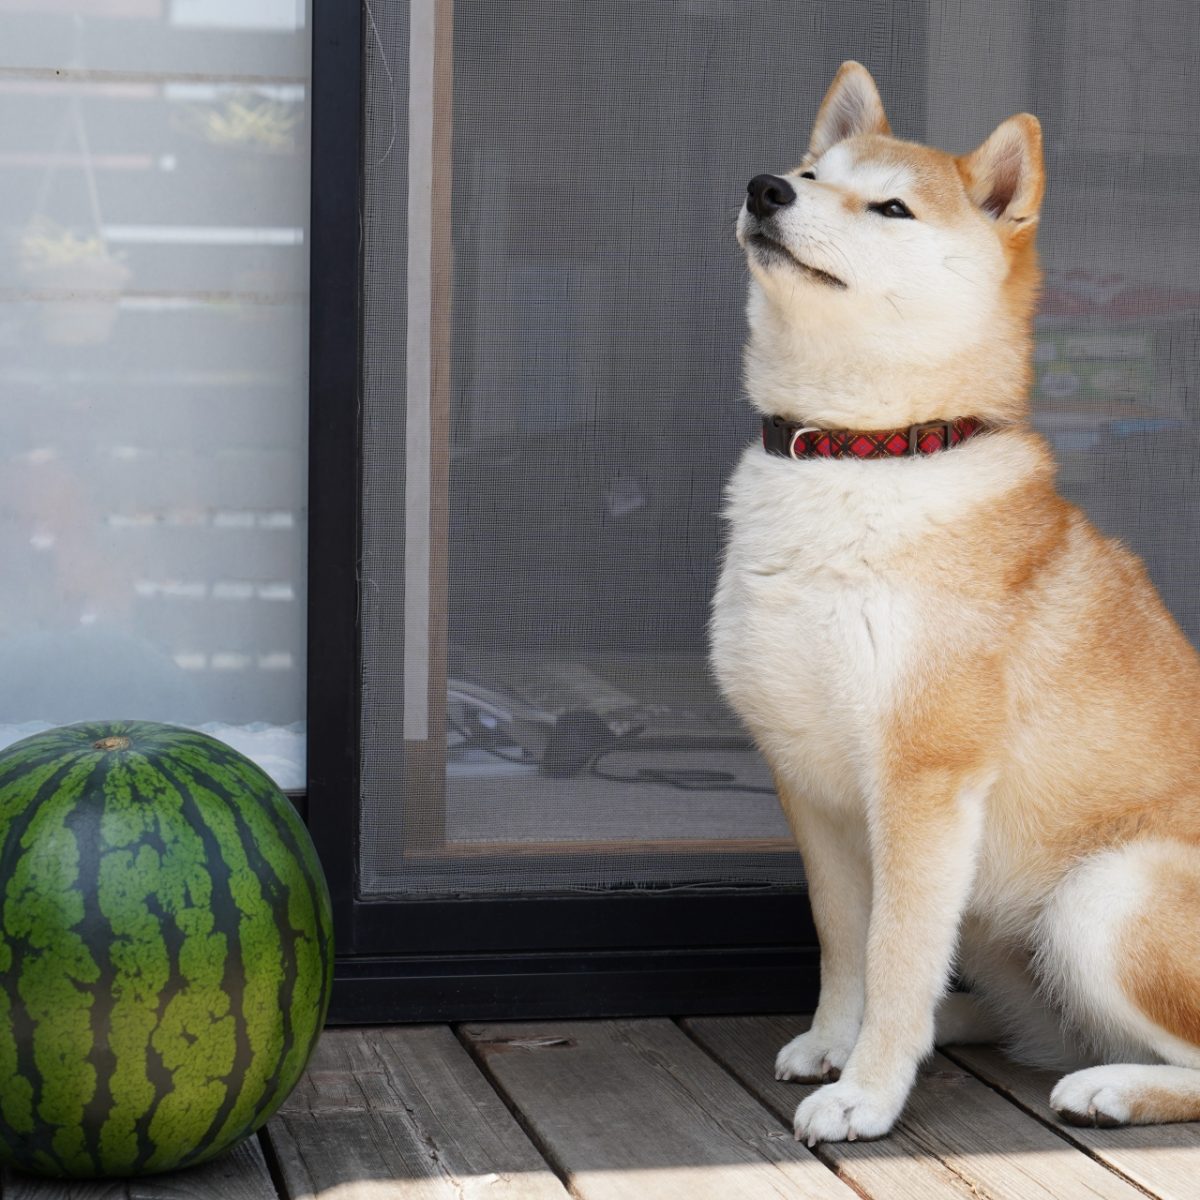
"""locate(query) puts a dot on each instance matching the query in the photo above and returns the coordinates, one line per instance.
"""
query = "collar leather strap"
(790, 439)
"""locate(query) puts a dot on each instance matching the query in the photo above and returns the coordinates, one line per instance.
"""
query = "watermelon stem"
(112, 743)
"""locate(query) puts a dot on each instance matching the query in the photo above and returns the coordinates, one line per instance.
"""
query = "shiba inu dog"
(983, 724)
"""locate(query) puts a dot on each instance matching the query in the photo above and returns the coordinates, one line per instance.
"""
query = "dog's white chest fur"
(816, 621)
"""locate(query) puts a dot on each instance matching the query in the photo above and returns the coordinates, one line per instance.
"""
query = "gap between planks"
(634, 1110)
(402, 1113)
(560, 1171)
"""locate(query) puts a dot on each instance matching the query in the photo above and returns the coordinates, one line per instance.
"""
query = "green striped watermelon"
(165, 949)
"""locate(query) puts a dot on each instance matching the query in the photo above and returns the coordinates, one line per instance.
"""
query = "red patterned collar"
(790, 439)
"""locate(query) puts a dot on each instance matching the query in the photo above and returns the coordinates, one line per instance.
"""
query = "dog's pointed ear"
(852, 105)
(1005, 176)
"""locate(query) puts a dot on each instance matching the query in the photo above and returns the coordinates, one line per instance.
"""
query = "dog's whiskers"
(945, 261)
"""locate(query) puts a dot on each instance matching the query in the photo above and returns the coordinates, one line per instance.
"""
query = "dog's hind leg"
(1011, 1004)
(961, 1020)
(1119, 948)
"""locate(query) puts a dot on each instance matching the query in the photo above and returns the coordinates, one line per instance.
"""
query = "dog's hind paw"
(1128, 1094)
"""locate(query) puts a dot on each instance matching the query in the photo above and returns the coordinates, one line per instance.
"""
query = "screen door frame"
(398, 959)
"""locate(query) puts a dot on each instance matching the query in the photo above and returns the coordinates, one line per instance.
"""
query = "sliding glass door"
(526, 399)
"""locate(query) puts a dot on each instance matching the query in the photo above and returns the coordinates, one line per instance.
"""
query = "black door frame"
(727, 951)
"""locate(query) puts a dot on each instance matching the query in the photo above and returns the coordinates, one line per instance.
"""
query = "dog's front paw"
(813, 1058)
(845, 1112)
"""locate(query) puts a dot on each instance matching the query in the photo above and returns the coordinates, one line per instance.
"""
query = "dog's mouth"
(768, 249)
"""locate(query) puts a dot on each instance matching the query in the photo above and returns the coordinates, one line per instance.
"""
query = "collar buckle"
(917, 432)
(795, 437)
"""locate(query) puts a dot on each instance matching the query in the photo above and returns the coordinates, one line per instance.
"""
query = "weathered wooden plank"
(1162, 1159)
(403, 1114)
(633, 1109)
(957, 1137)
(240, 1174)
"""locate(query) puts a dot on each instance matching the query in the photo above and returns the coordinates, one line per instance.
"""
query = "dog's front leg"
(924, 835)
(836, 868)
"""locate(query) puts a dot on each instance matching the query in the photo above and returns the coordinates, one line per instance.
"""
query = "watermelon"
(166, 950)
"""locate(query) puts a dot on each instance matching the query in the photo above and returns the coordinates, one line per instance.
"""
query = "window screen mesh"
(553, 314)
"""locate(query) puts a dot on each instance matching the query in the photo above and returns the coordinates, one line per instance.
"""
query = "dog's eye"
(891, 208)
(808, 175)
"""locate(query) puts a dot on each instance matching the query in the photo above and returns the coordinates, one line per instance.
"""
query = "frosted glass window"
(153, 351)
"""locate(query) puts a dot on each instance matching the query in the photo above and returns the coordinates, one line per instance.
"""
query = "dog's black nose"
(767, 194)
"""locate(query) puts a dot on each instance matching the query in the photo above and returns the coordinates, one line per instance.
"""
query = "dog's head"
(888, 277)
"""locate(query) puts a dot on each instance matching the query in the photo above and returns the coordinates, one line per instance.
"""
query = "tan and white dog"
(983, 724)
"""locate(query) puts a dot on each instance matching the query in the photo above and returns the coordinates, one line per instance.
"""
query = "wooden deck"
(643, 1110)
